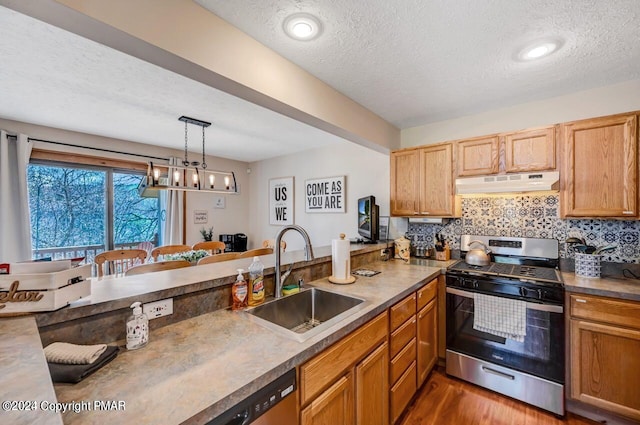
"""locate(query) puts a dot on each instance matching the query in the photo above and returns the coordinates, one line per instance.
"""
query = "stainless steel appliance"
(527, 367)
(273, 404)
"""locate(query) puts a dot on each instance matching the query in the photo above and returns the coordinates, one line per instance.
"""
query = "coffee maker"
(234, 243)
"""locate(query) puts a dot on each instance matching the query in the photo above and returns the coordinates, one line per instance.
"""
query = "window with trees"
(83, 210)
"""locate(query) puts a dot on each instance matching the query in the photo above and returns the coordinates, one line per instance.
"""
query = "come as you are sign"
(281, 201)
(325, 195)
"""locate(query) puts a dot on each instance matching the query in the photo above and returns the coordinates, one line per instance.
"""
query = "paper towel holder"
(340, 281)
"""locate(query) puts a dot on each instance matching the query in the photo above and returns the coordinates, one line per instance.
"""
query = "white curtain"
(15, 227)
(171, 203)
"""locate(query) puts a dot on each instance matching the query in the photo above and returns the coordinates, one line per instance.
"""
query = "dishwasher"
(273, 404)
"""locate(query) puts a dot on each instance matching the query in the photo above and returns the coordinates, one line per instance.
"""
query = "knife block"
(444, 255)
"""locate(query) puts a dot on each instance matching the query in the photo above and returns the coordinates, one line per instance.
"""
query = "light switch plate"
(219, 202)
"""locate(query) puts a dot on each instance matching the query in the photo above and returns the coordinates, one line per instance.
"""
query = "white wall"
(366, 171)
(618, 98)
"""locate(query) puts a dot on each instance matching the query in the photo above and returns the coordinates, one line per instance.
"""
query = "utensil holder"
(588, 265)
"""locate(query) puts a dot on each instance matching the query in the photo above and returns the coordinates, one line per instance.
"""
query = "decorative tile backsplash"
(534, 216)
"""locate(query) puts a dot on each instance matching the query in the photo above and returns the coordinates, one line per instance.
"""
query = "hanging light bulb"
(212, 180)
(176, 177)
(156, 175)
(195, 178)
(226, 181)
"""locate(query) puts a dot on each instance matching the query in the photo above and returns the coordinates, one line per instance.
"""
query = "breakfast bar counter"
(193, 370)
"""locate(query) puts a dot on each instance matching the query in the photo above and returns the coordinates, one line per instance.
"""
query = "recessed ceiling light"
(538, 50)
(302, 26)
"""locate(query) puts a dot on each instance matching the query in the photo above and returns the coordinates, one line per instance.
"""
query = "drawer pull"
(498, 373)
(580, 300)
(627, 212)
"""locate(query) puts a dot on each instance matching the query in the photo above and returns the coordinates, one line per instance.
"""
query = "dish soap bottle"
(239, 292)
(256, 282)
(137, 328)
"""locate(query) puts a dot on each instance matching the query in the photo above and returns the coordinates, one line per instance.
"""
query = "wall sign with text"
(281, 201)
(325, 195)
(200, 216)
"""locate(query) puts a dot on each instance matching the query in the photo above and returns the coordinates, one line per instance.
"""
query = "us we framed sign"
(281, 201)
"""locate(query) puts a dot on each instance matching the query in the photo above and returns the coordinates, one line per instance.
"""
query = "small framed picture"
(200, 217)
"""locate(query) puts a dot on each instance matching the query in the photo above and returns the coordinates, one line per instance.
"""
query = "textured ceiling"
(55, 78)
(419, 61)
(410, 61)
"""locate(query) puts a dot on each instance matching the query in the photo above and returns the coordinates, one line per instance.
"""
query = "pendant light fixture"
(191, 175)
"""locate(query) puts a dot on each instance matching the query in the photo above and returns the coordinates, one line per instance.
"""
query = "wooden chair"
(218, 258)
(147, 246)
(169, 249)
(271, 243)
(119, 260)
(156, 267)
(253, 252)
(214, 247)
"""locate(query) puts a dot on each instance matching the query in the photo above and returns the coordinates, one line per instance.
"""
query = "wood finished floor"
(444, 400)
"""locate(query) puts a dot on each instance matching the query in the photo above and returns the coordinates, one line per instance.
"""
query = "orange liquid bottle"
(239, 292)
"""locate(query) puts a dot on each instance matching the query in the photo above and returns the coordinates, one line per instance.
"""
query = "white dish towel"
(63, 352)
(500, 316)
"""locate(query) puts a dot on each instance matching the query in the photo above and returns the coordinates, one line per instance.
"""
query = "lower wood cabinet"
(333, 406)
(413, 345)
(427, 337)
(372, 388)
(370, 376)
(348, 383)
(402, 392)
(605, 353)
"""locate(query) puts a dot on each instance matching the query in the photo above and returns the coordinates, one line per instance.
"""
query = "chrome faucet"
(308, 253)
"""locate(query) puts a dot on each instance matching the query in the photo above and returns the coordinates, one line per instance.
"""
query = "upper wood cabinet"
(422, 182)
(405, 180)
(530, 150)
(478, 156)
(599, 167)
(437, 196)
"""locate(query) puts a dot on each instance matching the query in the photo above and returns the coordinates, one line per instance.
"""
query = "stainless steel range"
(505, 320)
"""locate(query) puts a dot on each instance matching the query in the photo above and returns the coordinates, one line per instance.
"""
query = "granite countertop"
(25, 376)
(606, 286)
(195, 369)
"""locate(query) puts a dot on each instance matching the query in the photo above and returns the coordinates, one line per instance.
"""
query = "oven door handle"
(531, 306)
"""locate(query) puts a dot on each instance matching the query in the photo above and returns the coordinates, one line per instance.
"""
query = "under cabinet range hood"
(509, 183)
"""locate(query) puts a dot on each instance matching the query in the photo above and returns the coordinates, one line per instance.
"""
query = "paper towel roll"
(341, 260)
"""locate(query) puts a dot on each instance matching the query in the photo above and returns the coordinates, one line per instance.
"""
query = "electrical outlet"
(158, 308)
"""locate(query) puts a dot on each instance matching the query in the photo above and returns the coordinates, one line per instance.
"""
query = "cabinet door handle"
(426, 212)
(580, 300)
(627, 212)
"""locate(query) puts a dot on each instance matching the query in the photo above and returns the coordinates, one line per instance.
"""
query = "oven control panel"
(509, 288)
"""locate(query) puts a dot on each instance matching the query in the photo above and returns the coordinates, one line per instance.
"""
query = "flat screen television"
(368, 221)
